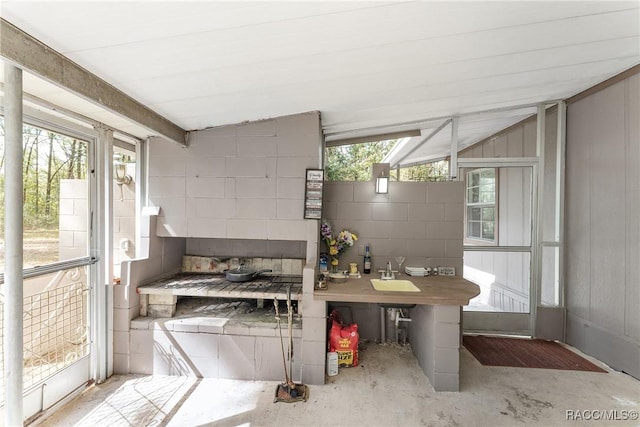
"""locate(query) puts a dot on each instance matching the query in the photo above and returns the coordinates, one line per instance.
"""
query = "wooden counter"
(434, 290)
(434, 331)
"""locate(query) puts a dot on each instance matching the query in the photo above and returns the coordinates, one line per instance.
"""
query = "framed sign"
(313, 194)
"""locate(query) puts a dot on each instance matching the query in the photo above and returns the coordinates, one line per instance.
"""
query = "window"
(55, 195)
(481, 204)
(353, 162)
(426, 172)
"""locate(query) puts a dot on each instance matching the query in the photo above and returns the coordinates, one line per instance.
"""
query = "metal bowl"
(338, 277)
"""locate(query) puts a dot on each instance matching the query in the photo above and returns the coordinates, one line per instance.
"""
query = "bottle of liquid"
(367, 261)
(324, 262)
(332, 363)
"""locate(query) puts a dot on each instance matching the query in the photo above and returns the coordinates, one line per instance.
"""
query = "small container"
(353, 268)
(332, 363)
(324, 262)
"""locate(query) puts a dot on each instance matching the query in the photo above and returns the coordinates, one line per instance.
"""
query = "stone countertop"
(434, 290)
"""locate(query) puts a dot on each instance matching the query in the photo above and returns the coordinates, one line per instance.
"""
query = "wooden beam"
(31, 54)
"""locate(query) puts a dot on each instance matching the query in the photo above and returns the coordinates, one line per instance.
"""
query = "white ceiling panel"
(368, 67)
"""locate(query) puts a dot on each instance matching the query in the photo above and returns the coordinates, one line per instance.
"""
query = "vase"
(334, 265)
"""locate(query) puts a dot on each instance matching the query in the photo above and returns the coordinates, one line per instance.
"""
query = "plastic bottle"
(367, 261)
(332, 363)
(324, 262)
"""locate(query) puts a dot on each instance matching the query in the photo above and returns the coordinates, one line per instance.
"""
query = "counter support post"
(434, 334)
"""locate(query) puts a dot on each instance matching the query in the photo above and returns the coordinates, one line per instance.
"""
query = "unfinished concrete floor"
(388, 388)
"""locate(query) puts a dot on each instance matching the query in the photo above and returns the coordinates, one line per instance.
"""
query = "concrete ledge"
(158, 350)
(216, 325)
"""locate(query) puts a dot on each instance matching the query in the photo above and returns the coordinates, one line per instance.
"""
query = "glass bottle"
(367, 261)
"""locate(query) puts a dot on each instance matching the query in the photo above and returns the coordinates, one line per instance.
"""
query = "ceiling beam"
(372, 138)
(414, 125)
(421, 143)
(28, 53)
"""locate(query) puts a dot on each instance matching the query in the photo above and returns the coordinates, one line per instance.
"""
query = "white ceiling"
(368, 67)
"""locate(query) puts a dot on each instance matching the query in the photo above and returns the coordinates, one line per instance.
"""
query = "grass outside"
(39, 247)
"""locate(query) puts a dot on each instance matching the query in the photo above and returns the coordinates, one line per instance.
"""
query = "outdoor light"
(382, 183)
(120, 170)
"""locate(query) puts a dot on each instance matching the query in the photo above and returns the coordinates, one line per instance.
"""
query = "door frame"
(73, 378)
(502, 322)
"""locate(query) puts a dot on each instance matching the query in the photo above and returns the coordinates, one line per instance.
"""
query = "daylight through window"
(481, 204)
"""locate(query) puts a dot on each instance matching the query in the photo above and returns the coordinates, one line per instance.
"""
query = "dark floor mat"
(525, 353)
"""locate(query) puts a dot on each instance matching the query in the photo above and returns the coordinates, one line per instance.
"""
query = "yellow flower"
(332, 243)
(334, 261)
(333, 250)
(354, 236)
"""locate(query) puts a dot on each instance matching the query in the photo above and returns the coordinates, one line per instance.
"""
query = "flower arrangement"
(338, 244)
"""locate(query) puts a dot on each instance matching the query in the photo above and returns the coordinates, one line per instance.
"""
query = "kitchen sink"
(394, 285)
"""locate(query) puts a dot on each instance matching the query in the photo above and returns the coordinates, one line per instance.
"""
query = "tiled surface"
(210, 264)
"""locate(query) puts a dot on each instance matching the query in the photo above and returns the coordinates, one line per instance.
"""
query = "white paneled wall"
(242, 181)
(602, 228)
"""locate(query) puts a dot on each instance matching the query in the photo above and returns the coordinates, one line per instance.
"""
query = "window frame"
(475, 240)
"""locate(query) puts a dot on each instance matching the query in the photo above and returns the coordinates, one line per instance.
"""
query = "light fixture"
(382, 183)
(120, 170)
(380, 174)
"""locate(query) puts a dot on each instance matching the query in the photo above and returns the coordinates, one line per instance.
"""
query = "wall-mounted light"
(382, 183)
(380, 174)
(120, 170)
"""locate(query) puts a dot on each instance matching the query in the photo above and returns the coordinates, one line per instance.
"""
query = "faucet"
(387, 274)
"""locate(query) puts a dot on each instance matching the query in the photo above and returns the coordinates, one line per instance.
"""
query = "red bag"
(344, 341)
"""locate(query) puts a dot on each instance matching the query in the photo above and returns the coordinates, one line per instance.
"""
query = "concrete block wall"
(243, 181)
(366, 315)
(73, 219)
(207, 347)
(314, 329)
(237, 190)
(158, 257)
(436, 344)
(73, 230)
(422, 221)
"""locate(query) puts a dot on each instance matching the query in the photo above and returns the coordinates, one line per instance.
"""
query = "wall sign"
(313, 194)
